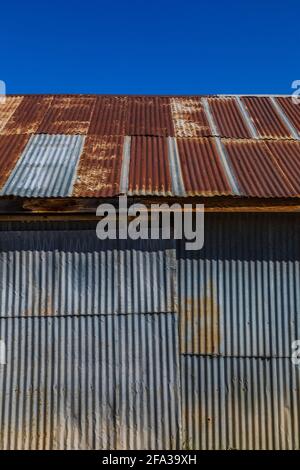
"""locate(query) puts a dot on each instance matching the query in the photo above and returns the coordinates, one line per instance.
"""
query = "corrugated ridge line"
(61, 281)
(240, 295)
(222, 151)
(230, 403)
(229, 118)
(90, 383)
(247, 118)
(178, 188)
(285, 119)
(54, 157)
(124, 180)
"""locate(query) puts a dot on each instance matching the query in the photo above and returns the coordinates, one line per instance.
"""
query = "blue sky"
(154, 47)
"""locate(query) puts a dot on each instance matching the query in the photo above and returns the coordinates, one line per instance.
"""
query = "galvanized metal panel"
(229, 119)
(68, 115)
(149, 171)
(28, 115)
(240, 295)
(256, 170)
(189, 117)
(11, 147)
(202, 169)
(265, 117)
(94, 382)
(99, 168)
(240, 403)
(74, 273)
(7, 108)
(149, 116)
(109, 116)
(46, 167)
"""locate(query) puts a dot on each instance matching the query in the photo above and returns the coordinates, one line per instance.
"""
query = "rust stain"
(8, 108)
(189, 117)
(11, 147)
(99, 167)
(149, 116)
(28, 115)
(68, 115)
(200, 325)
(109, 116)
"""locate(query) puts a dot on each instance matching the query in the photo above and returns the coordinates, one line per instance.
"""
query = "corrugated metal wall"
(115, 345)
(239, 307)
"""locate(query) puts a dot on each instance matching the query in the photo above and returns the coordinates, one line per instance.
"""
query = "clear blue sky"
(154, 47)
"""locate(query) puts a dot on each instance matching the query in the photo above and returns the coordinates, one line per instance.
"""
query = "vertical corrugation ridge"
(178, 188)
(98, 382)
(46, 167)
(229, 119)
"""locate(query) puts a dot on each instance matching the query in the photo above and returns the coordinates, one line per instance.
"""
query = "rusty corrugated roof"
(156, 145)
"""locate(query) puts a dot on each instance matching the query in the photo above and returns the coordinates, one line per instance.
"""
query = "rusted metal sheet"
(28, 115)
(287, 155)
(93, 382)
(228, 118)
(265, 118)
(240, 403)
(11, 147)
(189, 118)
(99, 169)
(202, 170)
(68, 115)
(46, 167)
(149, 116)
(7, 108)
(291, 110)
(239, 296)
(256, 170)
(149, 171)
(109, 116)
(74, 273)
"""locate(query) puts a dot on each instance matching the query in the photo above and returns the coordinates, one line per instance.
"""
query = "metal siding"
(28, 115)
(256, 170)
(68, 115)
(189, 118)
(240, 403)
(149, 116)
(46, 167)
(74, 273)
(240, 295)
(96, 382)
(228, 118)
(265, 118)
(202, 170)
(149, 171)
(99, 168)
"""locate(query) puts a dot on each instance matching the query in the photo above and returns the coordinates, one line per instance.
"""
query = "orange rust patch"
(28, 115)
(200, 325)
(68, 115)
(99, 167)
(11, 147)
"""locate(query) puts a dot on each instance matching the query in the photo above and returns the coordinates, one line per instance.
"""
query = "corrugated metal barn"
(142, 344)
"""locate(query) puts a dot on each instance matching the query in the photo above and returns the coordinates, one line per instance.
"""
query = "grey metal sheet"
(46, 167)
(96, 382)
(74, 273)
(240, 295)
(240, 403)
